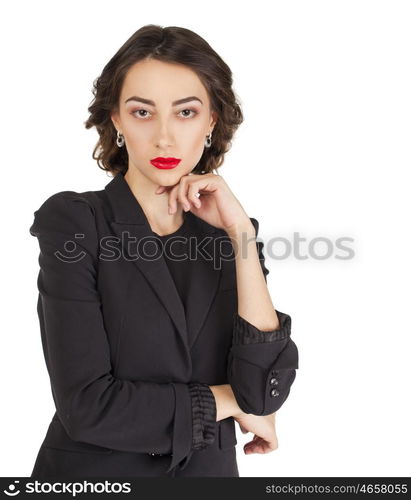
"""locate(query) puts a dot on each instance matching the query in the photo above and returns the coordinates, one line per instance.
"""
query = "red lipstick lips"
(165, 163)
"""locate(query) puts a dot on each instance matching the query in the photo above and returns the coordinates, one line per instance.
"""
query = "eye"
(190, 110)
(138, 110)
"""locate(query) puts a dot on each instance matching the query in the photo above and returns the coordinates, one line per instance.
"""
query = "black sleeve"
(93, 405)
(204, 413)
(261, 364)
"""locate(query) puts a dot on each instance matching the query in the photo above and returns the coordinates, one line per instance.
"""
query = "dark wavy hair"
(169, 44)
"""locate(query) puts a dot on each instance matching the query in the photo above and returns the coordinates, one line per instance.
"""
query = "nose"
(164, 135)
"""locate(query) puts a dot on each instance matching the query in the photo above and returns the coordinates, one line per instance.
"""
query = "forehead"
(162, 82)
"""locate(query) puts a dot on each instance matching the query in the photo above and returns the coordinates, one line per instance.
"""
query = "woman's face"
(162, 127)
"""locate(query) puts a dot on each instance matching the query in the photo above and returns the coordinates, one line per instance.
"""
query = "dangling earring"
(207, 142)
(120, 140)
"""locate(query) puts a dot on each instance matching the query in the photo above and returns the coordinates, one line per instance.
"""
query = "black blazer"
(129, 368)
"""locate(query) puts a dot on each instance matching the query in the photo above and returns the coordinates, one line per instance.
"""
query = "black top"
(174, 249)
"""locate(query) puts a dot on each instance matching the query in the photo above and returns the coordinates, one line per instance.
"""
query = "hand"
(263, 427)
(217, 204)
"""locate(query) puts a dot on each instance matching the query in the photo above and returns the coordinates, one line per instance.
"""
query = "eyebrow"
(152, 103)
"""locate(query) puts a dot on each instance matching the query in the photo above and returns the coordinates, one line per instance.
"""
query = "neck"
(155, 206)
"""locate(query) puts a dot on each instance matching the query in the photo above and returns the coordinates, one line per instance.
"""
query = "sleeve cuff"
(246, 333)
(204, 413)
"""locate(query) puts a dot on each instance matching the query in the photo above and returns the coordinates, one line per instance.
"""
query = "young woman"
(156, 321)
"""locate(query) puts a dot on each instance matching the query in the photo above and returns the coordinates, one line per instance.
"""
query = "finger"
(256, 448)
(252, 448)
(182, 195)
(192, 191)
(264, 446)
(172, 200)
(253, 441)
(160, 190)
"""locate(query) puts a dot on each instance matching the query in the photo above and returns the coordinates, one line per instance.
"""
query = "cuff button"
(273, 381)
(274, 393)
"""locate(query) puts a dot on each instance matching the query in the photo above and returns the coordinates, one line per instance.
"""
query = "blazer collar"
(128, 216)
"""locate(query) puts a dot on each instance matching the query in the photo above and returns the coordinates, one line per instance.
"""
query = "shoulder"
(255, 224)
(65, 211)
(66, 199)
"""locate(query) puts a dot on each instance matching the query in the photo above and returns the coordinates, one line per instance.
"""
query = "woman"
(152, 357)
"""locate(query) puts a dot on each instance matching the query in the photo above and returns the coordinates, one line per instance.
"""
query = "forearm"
(254, 301)
(263, 359)
(226, 403)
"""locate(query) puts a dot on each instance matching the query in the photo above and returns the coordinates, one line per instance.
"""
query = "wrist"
(236, 411)
(226, 403)
(236, 231)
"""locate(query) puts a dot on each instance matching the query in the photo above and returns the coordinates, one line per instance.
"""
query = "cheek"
(193, 149)
(138, 142)
(193, 140)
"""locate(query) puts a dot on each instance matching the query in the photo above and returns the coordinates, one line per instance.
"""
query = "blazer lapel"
(204, 277)
(130, 221)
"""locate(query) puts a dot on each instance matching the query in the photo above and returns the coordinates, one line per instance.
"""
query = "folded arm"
(263, 358)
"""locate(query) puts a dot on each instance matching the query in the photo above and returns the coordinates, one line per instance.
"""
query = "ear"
(213, 120)
(115, 119)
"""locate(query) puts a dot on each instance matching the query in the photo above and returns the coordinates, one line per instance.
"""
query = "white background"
(324, 152)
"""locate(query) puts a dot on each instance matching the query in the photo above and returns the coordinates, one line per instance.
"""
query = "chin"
(169, 177)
